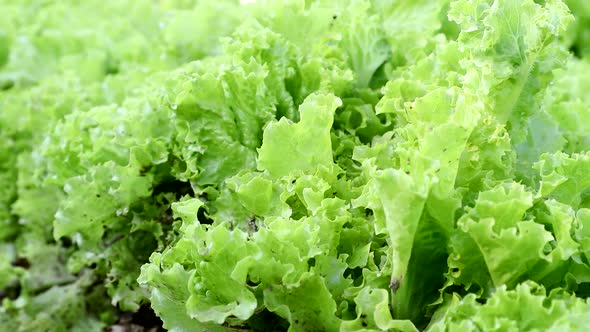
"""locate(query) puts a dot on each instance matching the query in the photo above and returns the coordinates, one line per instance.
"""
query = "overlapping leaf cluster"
(300, 165)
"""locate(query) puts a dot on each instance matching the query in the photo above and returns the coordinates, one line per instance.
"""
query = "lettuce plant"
(295, 165)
